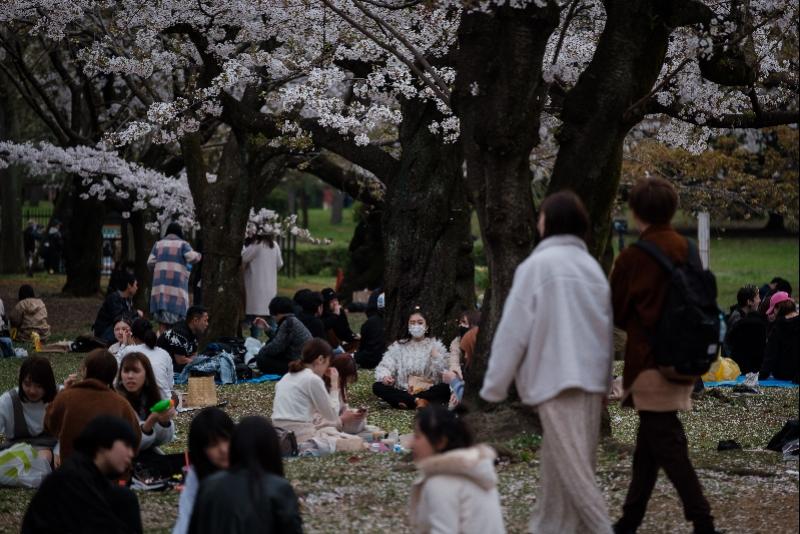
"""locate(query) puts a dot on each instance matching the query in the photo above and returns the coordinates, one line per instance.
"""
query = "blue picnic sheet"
(260, 379)
(761, 383)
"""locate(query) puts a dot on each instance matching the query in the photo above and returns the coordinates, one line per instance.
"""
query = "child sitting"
(29, 316)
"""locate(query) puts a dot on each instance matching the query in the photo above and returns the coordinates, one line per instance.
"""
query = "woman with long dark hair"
(209, 446)
(252, 496)
(137, 383)
(410, 373)
(143, 340)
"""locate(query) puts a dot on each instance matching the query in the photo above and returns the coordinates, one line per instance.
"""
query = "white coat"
(556, 331)
(456, 493)
(261, 265)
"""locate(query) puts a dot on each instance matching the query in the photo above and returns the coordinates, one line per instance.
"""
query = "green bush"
(322, 260)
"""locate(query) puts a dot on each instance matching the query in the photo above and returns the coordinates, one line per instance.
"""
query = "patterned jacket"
(427, 358)
(169, 259)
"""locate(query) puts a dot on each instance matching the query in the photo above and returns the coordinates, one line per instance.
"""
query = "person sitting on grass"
(209, 442)
(117, 305)
(782, 356)
(6, 347)
(83, 495)
(29, 315)
(746, 336)
(334, 318)
(79, 403)
(337, 384)
(144, 342)
(180, 341)
(22, 409)
(456, 491)
(372, 344)
(304, 406)
(253, 495)
(122, 333)
(417, 358)
(286, 344)
(137, 384)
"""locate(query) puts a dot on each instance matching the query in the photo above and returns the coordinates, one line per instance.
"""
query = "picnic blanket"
(260, 379)
(761, 383)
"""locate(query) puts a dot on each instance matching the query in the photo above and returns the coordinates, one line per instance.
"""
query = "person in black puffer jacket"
(287, 342)
(782, 356)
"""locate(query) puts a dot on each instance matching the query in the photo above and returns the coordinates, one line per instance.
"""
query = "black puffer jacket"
(782, 357)
(239, 501)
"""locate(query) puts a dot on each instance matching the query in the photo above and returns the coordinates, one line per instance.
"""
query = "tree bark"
(11, 255)
(366, 265)
(336, 207)
(499, 95)
(222, 209)
(83, 238)
(426, 230)
(143, 241)
(599, 111)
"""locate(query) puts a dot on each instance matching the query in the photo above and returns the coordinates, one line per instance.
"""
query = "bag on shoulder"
(287, 442)
(686, 339)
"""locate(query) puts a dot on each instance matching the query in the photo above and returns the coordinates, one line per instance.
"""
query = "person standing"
(261, 261)
(639, 287)
(555, 339)
(82, 496)
(169, 260)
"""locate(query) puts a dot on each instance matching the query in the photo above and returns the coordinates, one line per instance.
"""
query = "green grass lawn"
(319, 224)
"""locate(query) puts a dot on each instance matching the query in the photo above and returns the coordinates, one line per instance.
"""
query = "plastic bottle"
(37, 342)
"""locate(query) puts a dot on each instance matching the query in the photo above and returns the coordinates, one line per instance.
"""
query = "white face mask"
(416, 330)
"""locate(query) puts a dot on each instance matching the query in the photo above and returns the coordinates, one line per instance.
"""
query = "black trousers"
(272, 366)
(661, 443)
(440, 393)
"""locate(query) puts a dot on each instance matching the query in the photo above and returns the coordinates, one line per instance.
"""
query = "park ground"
(751, 490)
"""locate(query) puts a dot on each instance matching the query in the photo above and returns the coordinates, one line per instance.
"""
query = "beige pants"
(569, 500)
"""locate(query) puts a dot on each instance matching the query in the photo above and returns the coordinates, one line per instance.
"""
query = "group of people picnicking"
(557, 353)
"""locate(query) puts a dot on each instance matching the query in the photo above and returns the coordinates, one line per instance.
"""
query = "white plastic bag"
(21, 467)
(253, 346)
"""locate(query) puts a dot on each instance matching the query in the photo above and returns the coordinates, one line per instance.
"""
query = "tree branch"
(728, 120)
(359, 185)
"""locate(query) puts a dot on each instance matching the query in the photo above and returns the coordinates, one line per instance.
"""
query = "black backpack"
(686, 339)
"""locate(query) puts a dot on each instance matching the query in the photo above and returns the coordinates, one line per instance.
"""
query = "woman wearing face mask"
(136, 382)
(456, 491)
(209, 438)
(410, 373)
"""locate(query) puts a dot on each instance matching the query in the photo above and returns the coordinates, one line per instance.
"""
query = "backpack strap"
(656, 253)
(20, 426)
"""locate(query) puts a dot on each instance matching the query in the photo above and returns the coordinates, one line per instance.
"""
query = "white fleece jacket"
(556, 331)
(426, 358)
(456, 493)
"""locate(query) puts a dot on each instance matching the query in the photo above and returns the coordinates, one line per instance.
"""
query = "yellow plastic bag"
(722, 369)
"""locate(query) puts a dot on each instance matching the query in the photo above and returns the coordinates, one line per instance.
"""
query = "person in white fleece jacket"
(555, 337)
(456, 491)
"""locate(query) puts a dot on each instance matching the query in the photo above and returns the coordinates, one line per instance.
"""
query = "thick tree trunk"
(426, 230)
(599, 111)
(499, 96)
(336, 207)
(365, 269)
(223, 208)
(775, 224)
(11, 255)
(143, 241)
(83, 238)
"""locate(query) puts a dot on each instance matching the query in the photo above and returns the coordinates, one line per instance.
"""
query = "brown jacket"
(76, 406)
(638, 291)
(30, 315)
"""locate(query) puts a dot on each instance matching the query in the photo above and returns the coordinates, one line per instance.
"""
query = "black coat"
(114, 307)
(746, 341)
(339, 324)
(77, 498)
(314, 324)
(782, 357)
(373, 345)
(240, 502)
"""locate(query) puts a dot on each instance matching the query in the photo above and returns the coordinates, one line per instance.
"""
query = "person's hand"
(166, 416)
(140, 312)
(70, 380)
(56, 461)
(337, 308)
(388, 380)
(150, 422)
(453, 401)
(448, 376)
(259, 322)
(126, 337)
(333, 375)
(434, 352)
(181, 359)
(350, 416)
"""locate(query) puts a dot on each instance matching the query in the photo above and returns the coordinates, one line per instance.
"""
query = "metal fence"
(40, 214)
